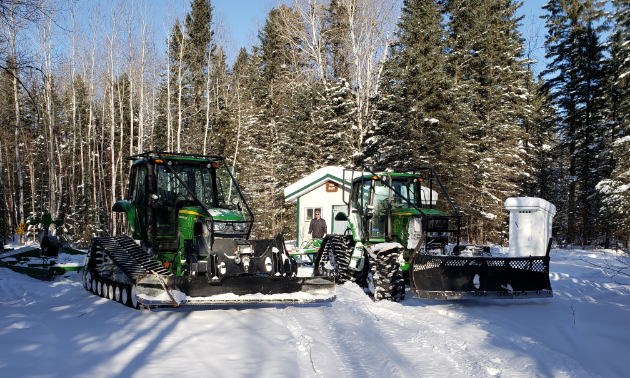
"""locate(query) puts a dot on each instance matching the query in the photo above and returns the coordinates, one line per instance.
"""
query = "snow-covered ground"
(57, 329)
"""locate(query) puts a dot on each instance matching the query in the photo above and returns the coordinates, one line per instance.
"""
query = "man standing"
(318, 228)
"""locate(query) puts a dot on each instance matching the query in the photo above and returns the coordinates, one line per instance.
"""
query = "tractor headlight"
(219, 226)
(239, 226)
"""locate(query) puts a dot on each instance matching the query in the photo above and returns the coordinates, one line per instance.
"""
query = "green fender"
(124, 206)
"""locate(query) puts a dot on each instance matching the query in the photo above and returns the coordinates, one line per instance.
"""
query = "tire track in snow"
(474, 350)
(363, 345)
(314, 359)
(333, 338)
(561, 364)
(459, 359)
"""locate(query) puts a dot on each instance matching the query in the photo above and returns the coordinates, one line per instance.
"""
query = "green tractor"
(399, 231)
(189, 242)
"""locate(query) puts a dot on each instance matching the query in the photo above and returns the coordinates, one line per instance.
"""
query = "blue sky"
(241, 15)
(244, 16)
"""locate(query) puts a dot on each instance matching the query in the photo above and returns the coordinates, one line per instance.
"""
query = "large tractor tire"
(49, 246)
(384, 277)
(334, 258)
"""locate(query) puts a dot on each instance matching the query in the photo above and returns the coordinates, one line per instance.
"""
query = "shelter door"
(524, 227)
(339, 227)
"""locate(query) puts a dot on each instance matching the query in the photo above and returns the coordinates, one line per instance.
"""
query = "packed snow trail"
(394, 340)
(57, 329)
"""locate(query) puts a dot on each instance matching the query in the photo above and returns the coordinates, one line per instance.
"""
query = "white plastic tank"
(530, 225)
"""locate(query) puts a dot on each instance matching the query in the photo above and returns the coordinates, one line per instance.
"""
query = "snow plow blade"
(233, 290)
(454, 277)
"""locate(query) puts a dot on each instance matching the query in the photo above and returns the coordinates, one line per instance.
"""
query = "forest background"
(446, 83)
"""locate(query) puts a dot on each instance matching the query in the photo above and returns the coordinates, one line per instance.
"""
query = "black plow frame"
(455, 277)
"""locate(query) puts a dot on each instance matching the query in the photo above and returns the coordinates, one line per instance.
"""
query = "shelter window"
(309, 214)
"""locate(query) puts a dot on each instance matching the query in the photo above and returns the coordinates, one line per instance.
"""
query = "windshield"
(407, 188)
(172, 193)
(227, 194)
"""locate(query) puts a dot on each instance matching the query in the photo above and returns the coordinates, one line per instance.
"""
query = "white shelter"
(530, 225)
(321, 190)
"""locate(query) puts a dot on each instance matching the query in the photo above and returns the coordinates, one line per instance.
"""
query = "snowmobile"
(398, 229)
(190, 242)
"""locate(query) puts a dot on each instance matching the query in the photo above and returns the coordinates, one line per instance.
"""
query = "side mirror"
(117, 208)
(341, 216)
(370, 212)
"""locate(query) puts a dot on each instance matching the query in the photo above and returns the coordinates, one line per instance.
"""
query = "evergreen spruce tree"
(274, 83)
(614, 189)
(199, 48)
(413, 125)
(336, 34)
(576, 86)
(491, 103)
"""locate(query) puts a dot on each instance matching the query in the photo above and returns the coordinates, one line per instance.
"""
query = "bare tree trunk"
(169, 117)
(152, 119)
(179, 95)
(59, 183)
(74, 109)
(130, 37)
(12, 215)
(91, 126)
(238, 132)
(122, 133)
(3, 210)
(13, 29)
(112, 134)
(369, 25)
(144, 26)
(18, 161)
(205, 135)
(45, 31)
(32, 168)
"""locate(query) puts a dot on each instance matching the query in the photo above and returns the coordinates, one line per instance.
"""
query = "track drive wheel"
(110, 291)
(384, 277)
(117, 293)
(124, 295)
(99, 287)
(87, 280)
(133, 298)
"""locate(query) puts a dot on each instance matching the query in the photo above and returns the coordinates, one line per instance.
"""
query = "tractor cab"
(169, 194)
(402, 207)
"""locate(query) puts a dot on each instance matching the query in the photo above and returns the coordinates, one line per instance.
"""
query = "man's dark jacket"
(318, 228)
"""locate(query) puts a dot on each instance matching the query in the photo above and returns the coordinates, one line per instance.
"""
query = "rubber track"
(338, 250)
(128, 256)
(387, 277)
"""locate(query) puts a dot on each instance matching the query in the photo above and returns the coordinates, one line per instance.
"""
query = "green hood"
(412, 211)
(217, 214)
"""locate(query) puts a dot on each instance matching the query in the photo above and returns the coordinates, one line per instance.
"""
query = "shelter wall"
(317, 198)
